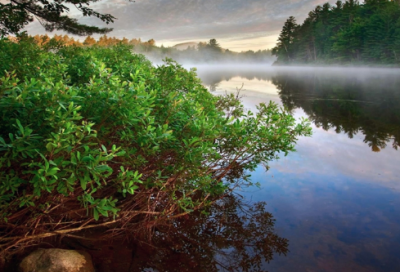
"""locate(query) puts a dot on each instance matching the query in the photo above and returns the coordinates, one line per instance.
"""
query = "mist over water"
(267, 71)
(337, 199)
(205, 55)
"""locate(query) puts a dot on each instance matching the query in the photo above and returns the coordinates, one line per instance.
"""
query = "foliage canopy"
(349, 32)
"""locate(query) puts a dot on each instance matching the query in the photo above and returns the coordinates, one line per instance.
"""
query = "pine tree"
(283, 49)
(18, 13)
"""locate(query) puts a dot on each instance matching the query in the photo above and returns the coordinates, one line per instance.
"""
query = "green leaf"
(95, 214)
(50, 147)
(103, 212)
(21, 128)
(52, 171)
(83, 183)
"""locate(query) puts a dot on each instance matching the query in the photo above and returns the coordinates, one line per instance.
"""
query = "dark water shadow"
(229, 236)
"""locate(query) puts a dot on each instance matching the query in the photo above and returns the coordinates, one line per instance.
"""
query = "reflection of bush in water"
(232, 236)
(346, 104)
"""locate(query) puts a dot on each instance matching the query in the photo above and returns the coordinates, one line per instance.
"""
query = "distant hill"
(185, 45)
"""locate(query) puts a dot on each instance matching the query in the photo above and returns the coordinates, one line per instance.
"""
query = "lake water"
(337, 199)
(333, 205)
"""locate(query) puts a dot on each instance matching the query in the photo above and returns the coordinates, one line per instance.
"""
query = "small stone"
(57, 260)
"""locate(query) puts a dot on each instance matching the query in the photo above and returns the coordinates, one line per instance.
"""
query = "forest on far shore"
(346, 33)
(202, 52)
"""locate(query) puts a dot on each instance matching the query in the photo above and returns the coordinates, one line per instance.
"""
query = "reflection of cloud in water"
(254, 91)
(335, 200)
(329, 153)
(254, 85)
(331, 217)
(326, 152)
(251, 98)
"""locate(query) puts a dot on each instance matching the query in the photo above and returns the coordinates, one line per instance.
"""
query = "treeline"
(346, 33)
(103, 41)
(203, 52)
(211, 52)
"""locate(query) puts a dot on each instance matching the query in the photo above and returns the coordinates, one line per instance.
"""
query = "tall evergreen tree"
(283, 49)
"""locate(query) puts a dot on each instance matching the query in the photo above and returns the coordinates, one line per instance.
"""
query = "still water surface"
(337, 199)
(334, 205)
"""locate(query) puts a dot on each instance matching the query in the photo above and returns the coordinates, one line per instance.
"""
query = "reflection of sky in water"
(254, 86)
(337, 202)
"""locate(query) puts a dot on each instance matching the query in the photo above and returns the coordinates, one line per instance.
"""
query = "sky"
(236, 24)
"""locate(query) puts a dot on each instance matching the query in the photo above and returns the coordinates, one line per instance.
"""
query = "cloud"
(229, 21)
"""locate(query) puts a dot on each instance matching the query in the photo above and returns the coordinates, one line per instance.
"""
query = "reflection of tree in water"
(230, 237)
(347, 104)
(365, 101)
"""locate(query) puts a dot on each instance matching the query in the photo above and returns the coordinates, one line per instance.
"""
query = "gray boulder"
(57, 260)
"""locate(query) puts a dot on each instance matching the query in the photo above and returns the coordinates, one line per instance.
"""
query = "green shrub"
(100, 133)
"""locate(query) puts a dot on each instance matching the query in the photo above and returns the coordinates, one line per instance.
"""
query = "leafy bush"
(98, 133)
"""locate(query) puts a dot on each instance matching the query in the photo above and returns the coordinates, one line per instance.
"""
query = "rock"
(57, 260)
